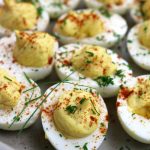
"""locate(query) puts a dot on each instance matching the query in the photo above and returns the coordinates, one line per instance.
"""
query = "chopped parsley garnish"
(90, 53)
(39, 11)
(120, 74)
(7, 78)
(82, 100)
(93, 111)
(71, 109)
(28, 79)
(105, 12)
(85, 146)
(129, 41)
(88, 61)
(104, 81)
(145, 28)
(77, 146)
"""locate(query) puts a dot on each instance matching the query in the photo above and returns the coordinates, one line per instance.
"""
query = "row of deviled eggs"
(74, 115)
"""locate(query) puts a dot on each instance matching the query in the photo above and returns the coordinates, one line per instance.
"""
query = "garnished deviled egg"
(74, 117)
(140, 10)
(117, 6)
(133, 107)
(58, 7)
(138, 43)
(30, 52)
(21, 16)
(90, 27)
(98, 67)
(19, 97)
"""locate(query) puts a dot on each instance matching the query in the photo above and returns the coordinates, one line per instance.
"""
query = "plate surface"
(116, 139)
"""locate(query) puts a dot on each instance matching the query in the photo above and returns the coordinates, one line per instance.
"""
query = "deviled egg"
(74, 117)
(19, 97)
(116, 6)
(133, 107)
(90, 27)
(56, 8)
(98, 67)
(30, 52)
(138, 44)
(21, 16)
(140, 10)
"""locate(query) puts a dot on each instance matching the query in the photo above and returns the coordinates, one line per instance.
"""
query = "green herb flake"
(105, 12)
(40, 11)
(119, 73)
(129, 41)
(104, 81)
(71, 109)
(28, 79)
(90, 53)
(82, 100)
(7, 78)
(85, 146)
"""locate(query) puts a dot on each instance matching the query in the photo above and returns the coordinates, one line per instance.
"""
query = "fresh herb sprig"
(104, 81)
(41, 103)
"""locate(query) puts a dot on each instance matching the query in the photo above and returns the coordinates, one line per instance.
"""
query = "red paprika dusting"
(67, 63)
(117, 104)
(107, 118)
(125, 93)
(50, 59)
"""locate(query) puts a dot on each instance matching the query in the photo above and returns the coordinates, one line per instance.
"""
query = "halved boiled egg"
(90, 27)
(96, 66)
(30, 52)
(116, 6)
(21, 16)
(74, 117)
(140, 10)
(19, 97)
(138, 44)
(133, 107)
(58, 7)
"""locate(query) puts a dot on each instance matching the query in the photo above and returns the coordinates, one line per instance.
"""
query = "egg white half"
(42, 24)
(138, 127)
(6, 59)
(65, 53)
(120, 9)
(7, 116)
(57, 8)
(135, 13)
(139, 53)
(54, 136)
(116, 28)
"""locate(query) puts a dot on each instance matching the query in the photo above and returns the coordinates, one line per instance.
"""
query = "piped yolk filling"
(81, 24)
(139, 100)
(93, 61)
(77, 114)
(18, 16)
(34, 49)
(10, 90)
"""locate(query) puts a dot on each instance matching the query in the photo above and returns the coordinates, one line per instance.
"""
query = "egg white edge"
(135, 125)
(54, 136)
(62, 72)
(136, 14)
(33, 72)
(55, 11)
(8, 116)
(139, 53)
(115, 23)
